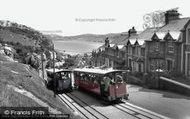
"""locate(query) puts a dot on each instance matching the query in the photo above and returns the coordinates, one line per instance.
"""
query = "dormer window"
(170, 47)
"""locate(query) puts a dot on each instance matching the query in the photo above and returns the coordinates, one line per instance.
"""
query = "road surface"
(165, 103)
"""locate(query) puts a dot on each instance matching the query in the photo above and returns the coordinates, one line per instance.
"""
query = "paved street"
(165, 103)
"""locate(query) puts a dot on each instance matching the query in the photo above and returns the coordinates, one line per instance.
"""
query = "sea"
(74, 47)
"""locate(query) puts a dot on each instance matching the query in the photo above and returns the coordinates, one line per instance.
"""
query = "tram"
(107, 83)
(61, 80)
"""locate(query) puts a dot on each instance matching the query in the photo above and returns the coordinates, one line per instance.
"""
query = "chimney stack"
(171, 15)
(107, 42)
(132, 31)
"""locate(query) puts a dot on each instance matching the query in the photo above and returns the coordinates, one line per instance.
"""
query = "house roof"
(115, 46)
(141, 42)
(175, 25)
(101, 48)
(175, 35)
(111, 45)
(161, 35)
(120, 46)
(147, 34)
(133, 36)
(132, 41)
(119, 38)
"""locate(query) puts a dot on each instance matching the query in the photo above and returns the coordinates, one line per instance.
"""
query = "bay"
(76, 47)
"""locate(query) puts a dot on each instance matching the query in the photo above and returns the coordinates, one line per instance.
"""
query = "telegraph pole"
(54, 79)
(42, 58)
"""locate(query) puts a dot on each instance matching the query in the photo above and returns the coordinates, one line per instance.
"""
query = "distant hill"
(88, 37)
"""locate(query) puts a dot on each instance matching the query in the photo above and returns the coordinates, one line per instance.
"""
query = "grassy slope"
(29, 80)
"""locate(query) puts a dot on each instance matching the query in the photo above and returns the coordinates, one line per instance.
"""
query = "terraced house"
(166, 48)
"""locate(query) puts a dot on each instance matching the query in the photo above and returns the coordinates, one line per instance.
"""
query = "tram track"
(89, 108)
(138, 112)
(131, 112)
(145, 111)
(87, 111)
(120, 107)
(72, 106)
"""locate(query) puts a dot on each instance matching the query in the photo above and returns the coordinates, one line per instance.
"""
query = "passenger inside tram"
(119, 78)
(107, 80)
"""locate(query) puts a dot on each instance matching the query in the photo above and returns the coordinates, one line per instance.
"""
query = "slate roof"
(133, 36)
(118, 38)
(175, 25)
(147, 34)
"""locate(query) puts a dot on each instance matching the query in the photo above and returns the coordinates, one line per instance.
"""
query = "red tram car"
(108, 83)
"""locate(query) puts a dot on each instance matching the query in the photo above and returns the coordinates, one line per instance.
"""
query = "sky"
(74, 17)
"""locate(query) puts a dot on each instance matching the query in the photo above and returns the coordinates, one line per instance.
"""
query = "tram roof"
(96, 70)
(58, 70)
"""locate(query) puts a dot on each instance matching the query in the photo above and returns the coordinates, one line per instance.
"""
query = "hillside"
(20, 86)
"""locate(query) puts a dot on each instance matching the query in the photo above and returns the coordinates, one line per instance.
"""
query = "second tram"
(107, 83)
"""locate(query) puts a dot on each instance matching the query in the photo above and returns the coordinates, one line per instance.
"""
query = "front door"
(169, 65)
(188, 64)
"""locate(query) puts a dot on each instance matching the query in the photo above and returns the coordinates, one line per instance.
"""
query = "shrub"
(138, 74)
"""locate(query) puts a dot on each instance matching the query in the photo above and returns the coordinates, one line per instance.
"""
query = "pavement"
(169, 104)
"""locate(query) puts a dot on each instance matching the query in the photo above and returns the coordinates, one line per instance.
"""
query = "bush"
(176, 74)
(138, 74)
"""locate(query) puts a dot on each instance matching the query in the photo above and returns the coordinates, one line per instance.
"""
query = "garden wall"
(174, 86)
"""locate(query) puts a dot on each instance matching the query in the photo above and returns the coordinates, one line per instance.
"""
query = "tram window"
(86, 77)
(91, 78)
(57, 76)
(65, 76)
(94, 79)
(82, 76)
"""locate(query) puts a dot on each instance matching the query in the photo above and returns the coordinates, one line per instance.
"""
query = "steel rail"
(143, 111)
(75, 107)
(88, 106)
